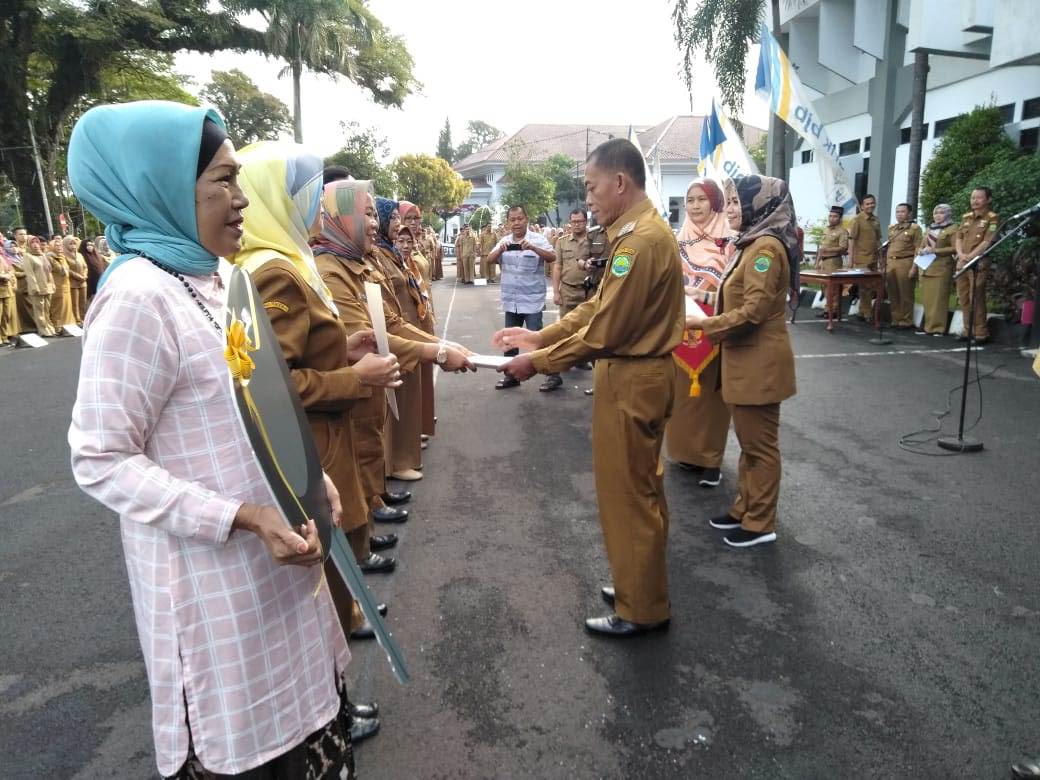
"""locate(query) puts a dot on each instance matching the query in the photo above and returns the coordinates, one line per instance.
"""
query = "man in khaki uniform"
(977, 231)
(865, 235)
(465, 252)
(486, 241)
(904, 239)
(830, 256)
(569, 273)
(631, 327)
(8, 313)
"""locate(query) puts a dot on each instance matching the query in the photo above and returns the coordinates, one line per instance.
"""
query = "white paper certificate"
(692, 307)
(489, 361)
(374, 300)
(925, 260)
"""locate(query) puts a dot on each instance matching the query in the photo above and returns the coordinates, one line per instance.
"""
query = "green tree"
(529, 184)
(481, 217)
(563, 170)
(480, 134)
(970, 144)
(444, 148)
(251, 115)
(429, 182)
(757, 153)
(364, 154)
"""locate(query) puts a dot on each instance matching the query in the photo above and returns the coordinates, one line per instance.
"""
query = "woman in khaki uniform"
(937, 279)
(404, 453)
(696, 434)
(9, 328)
(61, 298)
(411, 218)
(39, 285)
(77, 280)
(757, 361)
(348, 237)
(330, 371)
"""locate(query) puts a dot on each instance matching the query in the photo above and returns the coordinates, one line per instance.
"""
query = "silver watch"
(442, 354)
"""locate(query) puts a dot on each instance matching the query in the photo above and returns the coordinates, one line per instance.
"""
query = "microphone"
(1029, 212)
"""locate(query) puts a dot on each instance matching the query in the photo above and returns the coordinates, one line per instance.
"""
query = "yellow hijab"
(283, 184)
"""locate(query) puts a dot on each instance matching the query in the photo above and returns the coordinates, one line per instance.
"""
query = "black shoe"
(821, 314)
(376, 563)
(590, 391)
(962, 337)
(382, 542)
(689, 466)
(612, 625)
(710, 478)
(724, 522)
(506, 381)
(364, 631)
(389, 514)
(363, 728)
(552, 382)
(742, 538)
(586, 366)
(1026, 769)
(365, 711)
(607, 592)
(393, 499)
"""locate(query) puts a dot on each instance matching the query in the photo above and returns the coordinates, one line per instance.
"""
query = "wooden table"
(831, 284)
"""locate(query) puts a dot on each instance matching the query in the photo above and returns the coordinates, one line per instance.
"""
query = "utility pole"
(776, 141)
(39, 175)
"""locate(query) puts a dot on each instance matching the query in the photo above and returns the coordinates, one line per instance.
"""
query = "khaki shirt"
(466, 246)
(904, 239)
(486, 241)
(570, 250)
(865, 232)
(943, 250)
(974, 231)
(37, 276)
(835, 237)
(638, 310)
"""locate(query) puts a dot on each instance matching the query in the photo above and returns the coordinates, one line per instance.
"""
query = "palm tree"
(325, 36)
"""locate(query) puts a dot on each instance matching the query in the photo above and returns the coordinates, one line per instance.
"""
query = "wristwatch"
(442, 354)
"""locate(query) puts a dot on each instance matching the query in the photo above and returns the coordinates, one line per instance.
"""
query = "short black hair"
(984, 188)
(908, 207)
(517, 207)
(868, 195)
(619, 155)
(334, 173)
(579, 212)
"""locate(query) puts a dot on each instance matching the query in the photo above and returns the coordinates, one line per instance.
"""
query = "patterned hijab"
(767, 210)
(703, 250)
(384, 208)
(283, 184)
(343, 229)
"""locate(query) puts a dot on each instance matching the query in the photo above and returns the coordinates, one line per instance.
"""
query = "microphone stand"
(881, 340)
(960, 442)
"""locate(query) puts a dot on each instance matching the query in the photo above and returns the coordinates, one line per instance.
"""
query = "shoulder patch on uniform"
(992, 226)
(276, 305)
(622, 265)
(626, 250)
(762, 263)
(626, 229)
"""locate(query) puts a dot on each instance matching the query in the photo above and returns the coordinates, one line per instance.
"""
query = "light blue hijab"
(133, 167)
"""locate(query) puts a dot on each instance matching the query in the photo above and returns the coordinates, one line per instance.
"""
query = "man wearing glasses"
(575, 275)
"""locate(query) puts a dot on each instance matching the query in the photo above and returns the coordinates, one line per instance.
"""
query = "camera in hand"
(513, 247)
(597, 262)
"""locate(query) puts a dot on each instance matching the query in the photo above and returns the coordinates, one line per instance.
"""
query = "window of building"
(866, 144)
(675, 208)
(806, 156)
(943, 125)
(1007, 113)
(904, 134)
(1027, 141)
(848, 147)
(1031, 108)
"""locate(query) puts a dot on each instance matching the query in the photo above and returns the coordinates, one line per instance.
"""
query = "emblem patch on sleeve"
(621, 266)
(276, 305)
(762, 264)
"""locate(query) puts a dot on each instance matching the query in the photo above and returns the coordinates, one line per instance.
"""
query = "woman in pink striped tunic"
(240, 639)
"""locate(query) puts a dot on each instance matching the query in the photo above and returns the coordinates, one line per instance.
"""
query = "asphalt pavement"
(890, 632)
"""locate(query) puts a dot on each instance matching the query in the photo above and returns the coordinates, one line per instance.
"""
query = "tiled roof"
(676, 138)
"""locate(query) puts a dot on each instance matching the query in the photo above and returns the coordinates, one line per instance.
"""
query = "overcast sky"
(509, 64)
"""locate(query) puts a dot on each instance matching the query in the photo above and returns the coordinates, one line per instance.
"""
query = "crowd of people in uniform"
(911, 256)
(244, 628)
(46, 284)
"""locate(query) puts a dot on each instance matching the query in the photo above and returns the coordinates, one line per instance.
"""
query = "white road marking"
(886, 353)
(447, 320)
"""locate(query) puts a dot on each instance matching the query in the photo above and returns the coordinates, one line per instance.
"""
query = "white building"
(981, 52)
(671, 148)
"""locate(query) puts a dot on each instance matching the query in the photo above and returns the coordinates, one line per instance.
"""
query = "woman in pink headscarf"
(696, 434)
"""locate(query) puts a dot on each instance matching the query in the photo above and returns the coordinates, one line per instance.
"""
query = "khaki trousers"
(935, 296)
(41, 314)
(964, 297)
(23, 307)
(866, 292)
(631, 406)
(8, 318)
(464, 268)
(830, 265)
(490, 270)
(900, 289)
(700, 424)
(403, 443)
(79, 304)
(758, 431)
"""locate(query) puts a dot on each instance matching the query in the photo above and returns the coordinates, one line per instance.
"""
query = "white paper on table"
(692, 307)
(925, 260)
(374, 300)
(488, 361)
